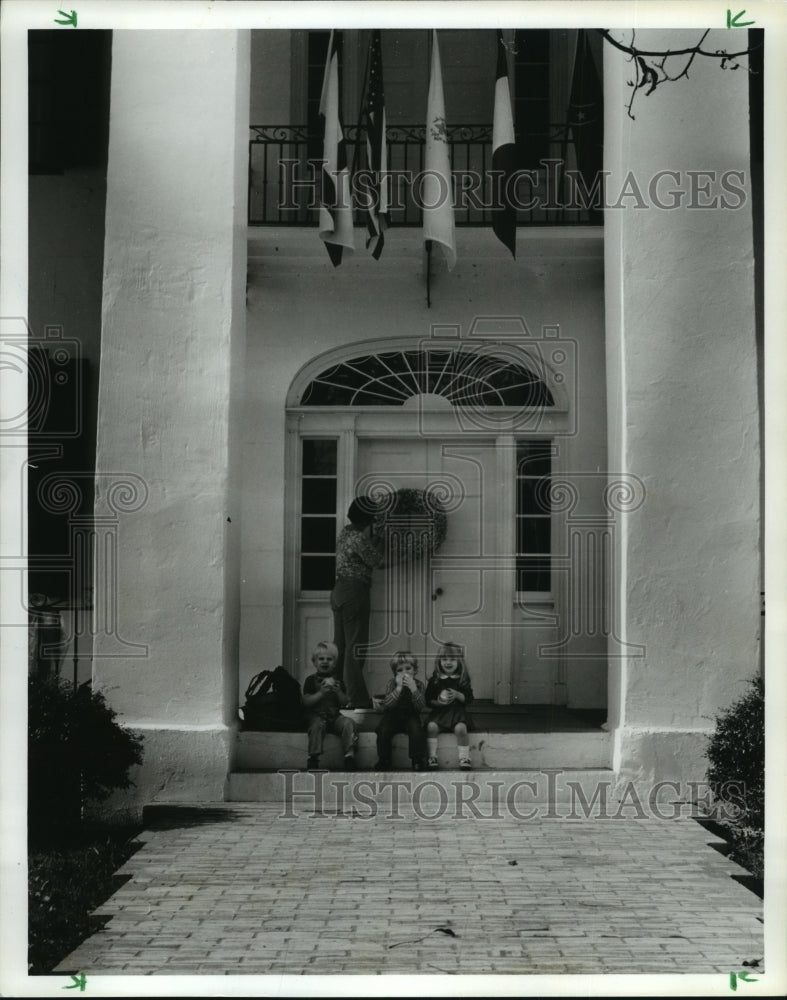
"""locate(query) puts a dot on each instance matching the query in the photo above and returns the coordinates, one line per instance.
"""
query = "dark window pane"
(377, 367)
(394, 361)
(533, 534)
(317, 572)
(532, 44)
(317, 54)
(531, 100)
(318, 496)
(318, 393)
(534, 79)
(464, 378)
(534, 458)
(319, 457)
(533, 574)
(318, 534)
(318, 50)
(377, 395)
(525, 392)
(315, 78)
(532, 496)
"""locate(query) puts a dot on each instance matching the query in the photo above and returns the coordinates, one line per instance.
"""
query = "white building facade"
(602, 549)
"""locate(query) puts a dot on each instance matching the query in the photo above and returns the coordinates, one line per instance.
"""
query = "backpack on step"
(273, 703)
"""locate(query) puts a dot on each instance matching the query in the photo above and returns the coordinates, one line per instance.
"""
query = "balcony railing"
(283, 190)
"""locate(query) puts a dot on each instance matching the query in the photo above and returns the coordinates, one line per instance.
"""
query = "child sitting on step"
(323, 698)
(402, 706)
(448, 694)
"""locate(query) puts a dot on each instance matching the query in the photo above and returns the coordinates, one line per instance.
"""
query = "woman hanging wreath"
(415, 524)
(404, 525)
(359, 550)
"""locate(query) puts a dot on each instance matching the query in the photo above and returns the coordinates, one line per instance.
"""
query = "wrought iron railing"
(283, 185)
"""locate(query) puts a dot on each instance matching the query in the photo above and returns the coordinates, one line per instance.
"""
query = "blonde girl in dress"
(448, 695)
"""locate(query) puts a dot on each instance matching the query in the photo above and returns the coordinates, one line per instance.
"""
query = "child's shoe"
(432, 764)
(418, 765)
(465, 765)
(349, 762)
(313, 763)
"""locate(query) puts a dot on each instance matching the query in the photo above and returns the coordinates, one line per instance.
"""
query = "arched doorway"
(477, 423)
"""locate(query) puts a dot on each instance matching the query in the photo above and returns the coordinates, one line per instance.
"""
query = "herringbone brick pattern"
(247, 891)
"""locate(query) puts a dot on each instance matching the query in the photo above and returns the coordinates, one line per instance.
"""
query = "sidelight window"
(533, 516)
(318, 513)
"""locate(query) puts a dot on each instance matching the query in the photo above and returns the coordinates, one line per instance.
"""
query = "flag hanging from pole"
(336, 220)
(437, 195)
(373, 115)
(586, 115)
(503, 153)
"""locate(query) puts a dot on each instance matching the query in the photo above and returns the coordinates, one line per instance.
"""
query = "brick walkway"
(245, 891)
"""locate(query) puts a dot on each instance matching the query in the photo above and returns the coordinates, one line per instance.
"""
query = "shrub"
(68, 882)
(736, 755)
(76, 752)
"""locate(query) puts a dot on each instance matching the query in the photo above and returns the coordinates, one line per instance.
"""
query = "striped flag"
(503, 153)
(376, 149)
(438, 210)
(336, 220)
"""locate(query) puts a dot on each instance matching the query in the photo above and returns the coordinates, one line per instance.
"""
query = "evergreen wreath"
(415, 522)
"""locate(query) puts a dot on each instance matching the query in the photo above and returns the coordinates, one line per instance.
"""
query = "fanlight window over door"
(462, 377)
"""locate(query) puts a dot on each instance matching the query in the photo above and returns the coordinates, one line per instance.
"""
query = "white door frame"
(431, 416)
(350, 426)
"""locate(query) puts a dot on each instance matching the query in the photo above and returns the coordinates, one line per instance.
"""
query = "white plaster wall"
(182, 764)
(172, 343)
(681, 363)
(301, 307)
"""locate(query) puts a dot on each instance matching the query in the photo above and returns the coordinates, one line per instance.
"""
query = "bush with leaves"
(66, 884)
(736, 755)
(77, 752)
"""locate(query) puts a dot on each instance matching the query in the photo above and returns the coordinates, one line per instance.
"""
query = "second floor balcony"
(284, 162)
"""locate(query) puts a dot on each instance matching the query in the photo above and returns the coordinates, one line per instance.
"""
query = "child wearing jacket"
(402, 706)
(323, 698)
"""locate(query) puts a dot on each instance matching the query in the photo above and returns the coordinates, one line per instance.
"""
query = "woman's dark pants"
(351, 609)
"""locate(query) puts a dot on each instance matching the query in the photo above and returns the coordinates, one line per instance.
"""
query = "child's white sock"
(464, 753)
(431, 746)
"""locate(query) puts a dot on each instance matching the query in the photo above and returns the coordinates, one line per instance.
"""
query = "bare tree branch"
(694, 49)
(651, 68)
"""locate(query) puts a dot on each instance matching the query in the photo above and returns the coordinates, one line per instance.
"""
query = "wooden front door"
(454, 595)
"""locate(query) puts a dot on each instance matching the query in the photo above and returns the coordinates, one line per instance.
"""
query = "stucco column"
(682, 405)
(173, 342)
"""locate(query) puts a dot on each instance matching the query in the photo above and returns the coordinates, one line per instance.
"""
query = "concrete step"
(590, 749)
(363, 794)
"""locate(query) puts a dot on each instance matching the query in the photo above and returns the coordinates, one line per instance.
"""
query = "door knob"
(437, 593)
